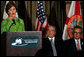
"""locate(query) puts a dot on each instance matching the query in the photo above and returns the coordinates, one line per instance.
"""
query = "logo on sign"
(18, 42)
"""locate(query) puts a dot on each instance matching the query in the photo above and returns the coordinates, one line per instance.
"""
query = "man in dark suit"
(51, 46)
(75, 45)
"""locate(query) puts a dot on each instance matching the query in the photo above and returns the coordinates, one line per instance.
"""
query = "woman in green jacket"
(12, 23)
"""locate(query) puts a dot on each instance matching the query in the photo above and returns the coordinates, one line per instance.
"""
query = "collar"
(51, 38)
(77, 39)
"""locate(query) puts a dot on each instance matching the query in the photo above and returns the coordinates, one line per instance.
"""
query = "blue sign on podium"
(25, 41)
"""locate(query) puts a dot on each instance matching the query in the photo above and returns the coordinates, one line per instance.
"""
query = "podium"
(23, 43)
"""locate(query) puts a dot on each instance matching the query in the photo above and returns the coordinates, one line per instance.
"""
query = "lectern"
(23, 43)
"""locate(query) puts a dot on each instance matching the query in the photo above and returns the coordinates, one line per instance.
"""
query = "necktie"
(53, 47)
(78, 46)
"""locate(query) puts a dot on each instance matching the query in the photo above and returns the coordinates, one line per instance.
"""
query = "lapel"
(49, 47)
(55, 42)
(47, 42)
(81, 42)
(73, 44)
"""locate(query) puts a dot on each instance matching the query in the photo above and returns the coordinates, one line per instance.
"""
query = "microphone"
(13, 21)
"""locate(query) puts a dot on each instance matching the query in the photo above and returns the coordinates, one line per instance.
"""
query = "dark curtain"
(52, 19)
(23, 13)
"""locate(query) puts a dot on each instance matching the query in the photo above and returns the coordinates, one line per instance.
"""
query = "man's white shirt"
(53, 45)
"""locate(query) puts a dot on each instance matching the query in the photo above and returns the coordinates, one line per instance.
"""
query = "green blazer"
(6, 25)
